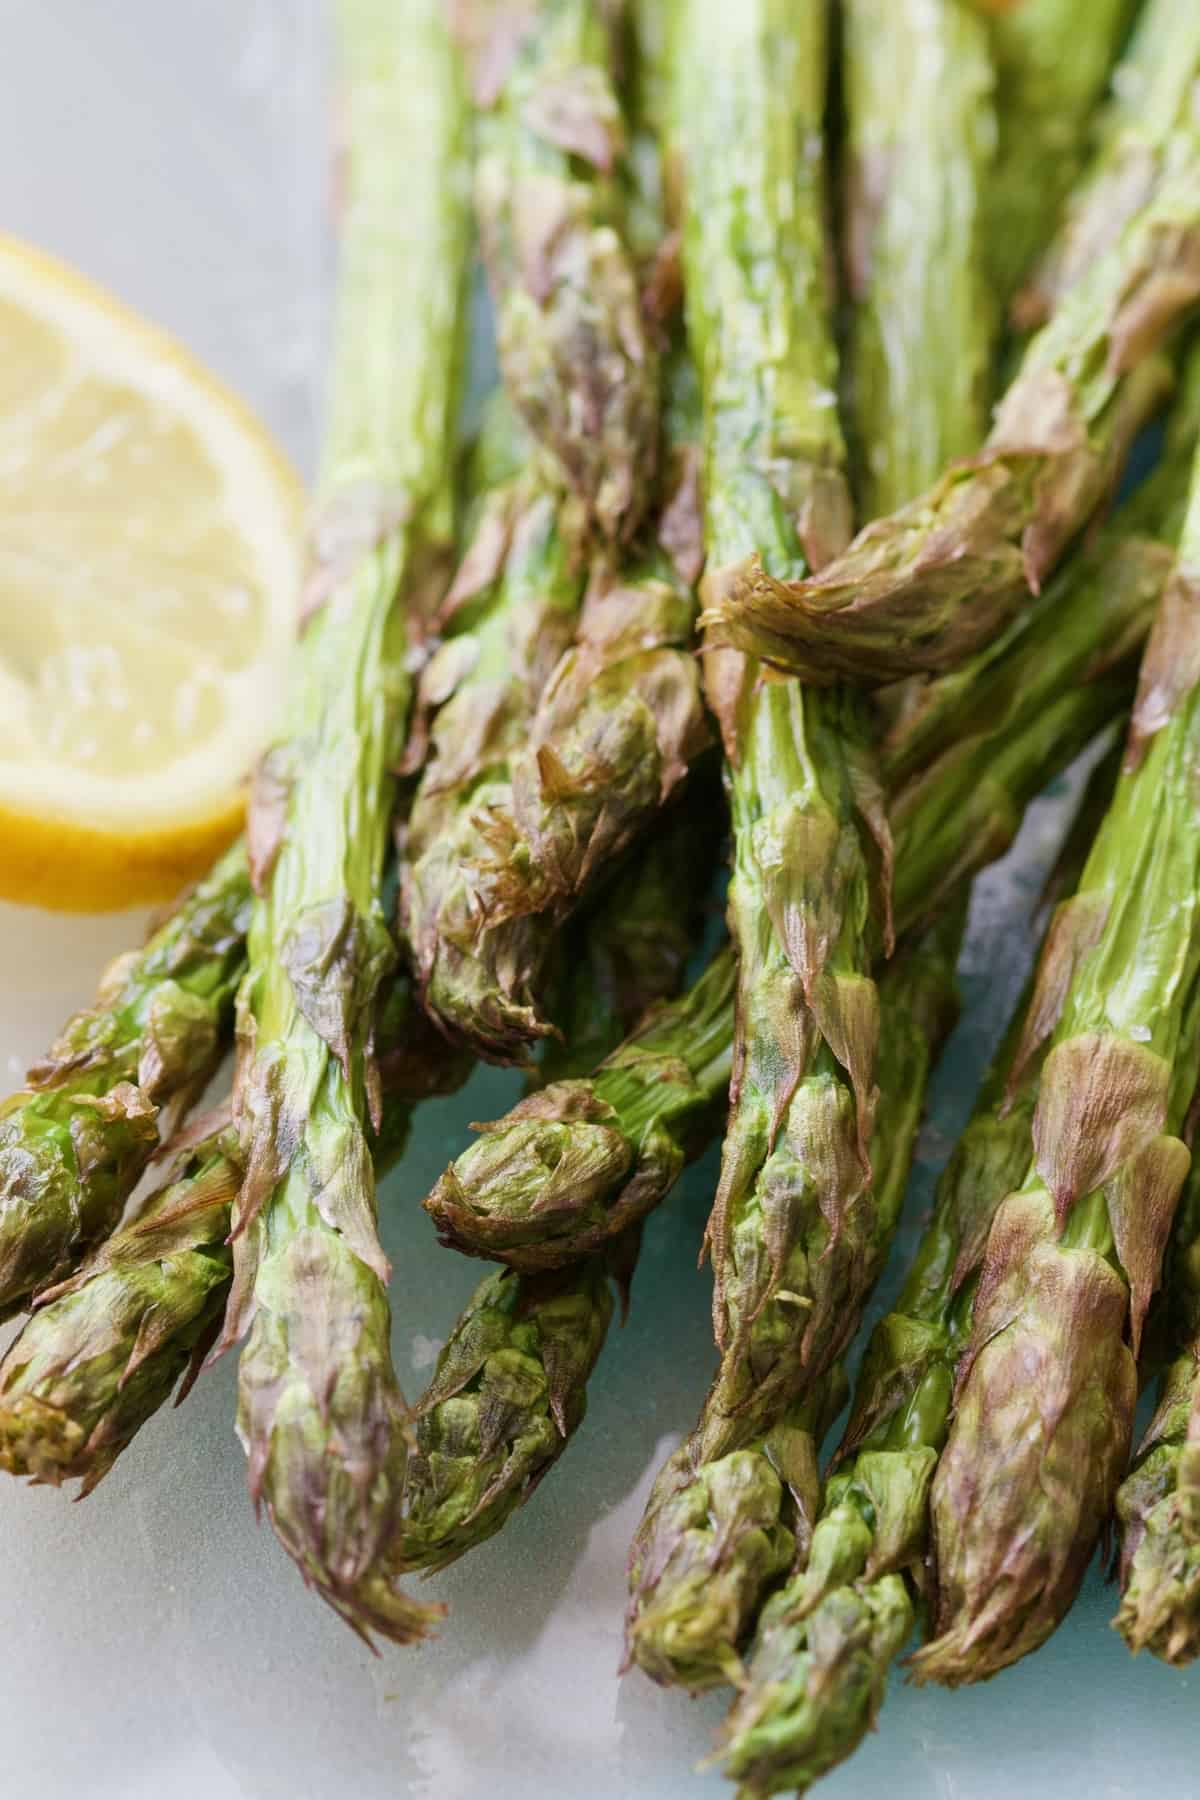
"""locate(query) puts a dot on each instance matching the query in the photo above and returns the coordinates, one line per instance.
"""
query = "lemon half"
(150, 564)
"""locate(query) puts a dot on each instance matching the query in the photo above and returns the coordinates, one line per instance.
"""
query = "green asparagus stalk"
(509, 615)
(508, 1394)
(1046, 1387)
(629, 949)
(320, 1412)
(577, 358)
(576, 1164)
(111, 1343)
(1052, 67)
(1156, 1503)
(1155, 92)
(921, 144)
(1001, 691)
(715, 1536)
(513, 1192)
(510, 1388)
(722, 1524)
(613, 733)
(569, 774)
(622, 720)
(1061, 673)
(924, 588)
(74, 1144)
(826, 1640)
(801, 790)
(746, 151)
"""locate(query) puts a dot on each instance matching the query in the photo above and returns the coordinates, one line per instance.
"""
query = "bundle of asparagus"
(502, 737)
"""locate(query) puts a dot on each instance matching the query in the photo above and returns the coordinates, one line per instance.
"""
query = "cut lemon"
(150, 544)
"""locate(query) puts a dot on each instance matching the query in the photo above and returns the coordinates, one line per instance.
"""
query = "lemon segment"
(150, 563)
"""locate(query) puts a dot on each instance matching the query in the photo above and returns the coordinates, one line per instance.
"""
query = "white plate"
(154, 1641)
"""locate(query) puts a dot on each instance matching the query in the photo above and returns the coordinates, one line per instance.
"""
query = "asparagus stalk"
(320, 1412)
(921, 143)
(755, 272)
(1157, 1501)
(74, 1144)
(715, 1536)
(508, 1393)
(509, 615)
(577, 357)
(111, 1343)
(924, 588)
(575, 1165)
(1046, 1387)
(825, 1642)
(801, 794)
(610, 737)
(1155, 93)
(511, 1385)
(568, 774)
(1061, 672)
(622, 720)
(1052, 66)
(629, 949)
(721, 1525)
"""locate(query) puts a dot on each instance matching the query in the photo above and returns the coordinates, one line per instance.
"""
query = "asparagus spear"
(629, 949)
(722, 1524)
(622, 719)
(923, 588)
(1157, 1501)
(320, 1412)
(803, 806)
(509, 1391)
(921, 143)
(511, 1385)
(509, 615)
(1062, 672)
(1155, 92)
(574, 1165)
(74, 1144)
(753, 77)
(535, 800)
(1052, 66)
(816, 1674)
(613, 734)
(1046, 1388)
(826, 1640)
(1017, 678)
(577, 357)
(113, 1342)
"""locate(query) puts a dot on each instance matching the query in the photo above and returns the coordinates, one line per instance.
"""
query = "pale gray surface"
(154, 1640)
